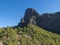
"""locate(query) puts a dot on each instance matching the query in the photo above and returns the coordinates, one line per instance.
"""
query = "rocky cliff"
(51, 22)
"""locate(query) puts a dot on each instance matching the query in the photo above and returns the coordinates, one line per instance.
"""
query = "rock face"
(30, 17)
(51, 22)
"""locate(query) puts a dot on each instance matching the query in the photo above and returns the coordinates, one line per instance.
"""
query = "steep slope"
(50, 22)
(30, 35)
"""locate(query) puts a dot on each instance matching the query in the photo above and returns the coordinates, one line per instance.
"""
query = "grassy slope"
(31, 35)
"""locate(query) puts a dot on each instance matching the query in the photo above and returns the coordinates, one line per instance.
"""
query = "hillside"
(30, 35)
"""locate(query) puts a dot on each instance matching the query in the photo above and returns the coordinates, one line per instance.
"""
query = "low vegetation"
(30, 35)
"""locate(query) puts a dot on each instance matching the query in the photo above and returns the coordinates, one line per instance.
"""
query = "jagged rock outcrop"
(51, 22)
(30, 17)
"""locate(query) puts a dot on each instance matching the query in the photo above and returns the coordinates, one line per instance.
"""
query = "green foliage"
(30, 35)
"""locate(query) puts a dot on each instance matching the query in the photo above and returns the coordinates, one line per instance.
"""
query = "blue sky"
(11, 11)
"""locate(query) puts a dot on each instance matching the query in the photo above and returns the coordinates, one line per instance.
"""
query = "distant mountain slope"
(51, 22)
(30, 35)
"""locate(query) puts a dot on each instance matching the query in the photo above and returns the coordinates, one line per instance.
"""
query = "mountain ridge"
(46, 21)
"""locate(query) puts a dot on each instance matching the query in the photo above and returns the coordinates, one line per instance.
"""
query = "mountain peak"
(30, 12)
(29, 9)
(29, 17)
